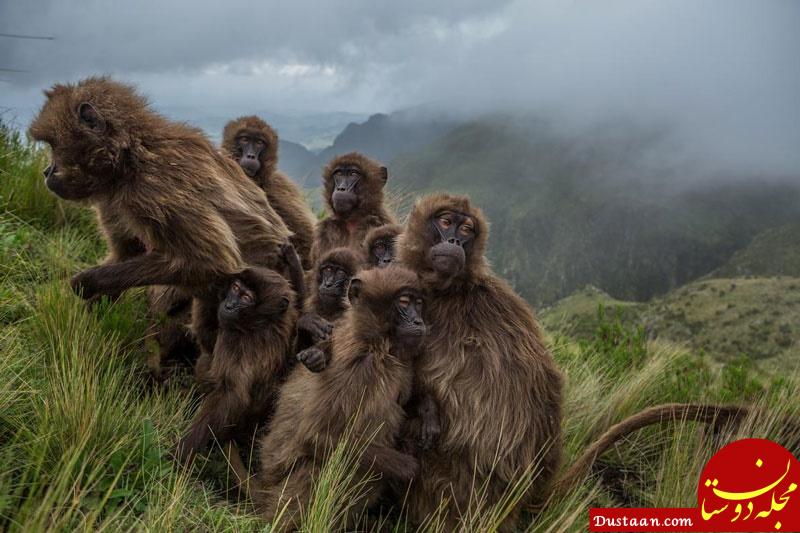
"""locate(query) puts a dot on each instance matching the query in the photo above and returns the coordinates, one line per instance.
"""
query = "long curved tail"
(704, 413)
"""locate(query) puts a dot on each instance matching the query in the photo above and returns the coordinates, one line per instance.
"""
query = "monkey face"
(334, 282)
(85, 149)
(453, 234)
(382, 253)
(242, 307)
(249, 150)
(345, 189)
(409, 326)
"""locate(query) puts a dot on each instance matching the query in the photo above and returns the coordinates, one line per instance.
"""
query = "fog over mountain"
(723, 75)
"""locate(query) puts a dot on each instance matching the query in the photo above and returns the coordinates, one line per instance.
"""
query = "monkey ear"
(90, 116)
(354, 292)
(284, 304)
(384, 174)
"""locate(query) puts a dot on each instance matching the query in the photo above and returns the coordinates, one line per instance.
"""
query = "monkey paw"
(84, 284)
(429, 433)
(408, 468)
(313, 358)
(317, 327)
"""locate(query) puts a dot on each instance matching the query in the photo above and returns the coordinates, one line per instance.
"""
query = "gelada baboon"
(365, 388)
(253, 144)
(353, 193)
(380, 245)
(495, 383)
(250, 358)
(174, 210)
(326, 303)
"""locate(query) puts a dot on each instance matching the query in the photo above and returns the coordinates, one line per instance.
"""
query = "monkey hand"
(313, 358)
(85, 284)
(429, 432)
(315, 326)
(407, 468)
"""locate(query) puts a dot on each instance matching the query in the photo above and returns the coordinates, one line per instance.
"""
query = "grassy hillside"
(729, 319)
(86, 441)
(775, 252)
(605, 209)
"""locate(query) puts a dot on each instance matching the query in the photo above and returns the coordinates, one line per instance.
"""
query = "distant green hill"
(726, 318)
(774, 252)
(605, 208)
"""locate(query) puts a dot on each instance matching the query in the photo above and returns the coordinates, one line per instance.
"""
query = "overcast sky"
(727, 72)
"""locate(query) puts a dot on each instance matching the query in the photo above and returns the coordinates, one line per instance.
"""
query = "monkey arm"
(148, 269)
(430, 428)
(296, 274)
(217, 417)
(390, 463)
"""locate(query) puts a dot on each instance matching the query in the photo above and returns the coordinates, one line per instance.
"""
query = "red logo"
(749, 485)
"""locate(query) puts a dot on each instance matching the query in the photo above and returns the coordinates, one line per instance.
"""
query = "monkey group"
(304, 332)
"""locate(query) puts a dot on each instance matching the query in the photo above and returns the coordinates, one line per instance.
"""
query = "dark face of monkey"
(382, 252)
(407, 318)
(345, 189)
(334, 281)
(249, 149)
(242, 307)
(453, 234)
(82, 152)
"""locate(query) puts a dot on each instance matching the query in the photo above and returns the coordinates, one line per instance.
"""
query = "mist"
(723, 77)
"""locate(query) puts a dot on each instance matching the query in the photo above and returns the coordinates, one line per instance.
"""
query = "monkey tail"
(705, 413)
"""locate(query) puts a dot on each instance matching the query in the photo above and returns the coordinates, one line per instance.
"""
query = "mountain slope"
(598, 209)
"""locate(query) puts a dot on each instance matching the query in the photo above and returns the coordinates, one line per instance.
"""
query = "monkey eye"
(259, 144)
(419, 302)
(246, 298)
(353, 173)
(404, 301)
(444, 222)
(380, 248)
(466, 229)
(243, 140)
(236, 287)
(328, 269)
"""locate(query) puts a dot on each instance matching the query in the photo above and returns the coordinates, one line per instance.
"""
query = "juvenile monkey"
(253, 144)
(174, 211)
(353, 193)
(380, 245)
(250, 358)
(325, 305)
(366, 385)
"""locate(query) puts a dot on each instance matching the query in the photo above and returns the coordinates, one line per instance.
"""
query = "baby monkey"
(325, 305)
(250, 359)
(380, 246)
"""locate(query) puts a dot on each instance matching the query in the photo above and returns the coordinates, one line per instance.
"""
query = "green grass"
(86, 441)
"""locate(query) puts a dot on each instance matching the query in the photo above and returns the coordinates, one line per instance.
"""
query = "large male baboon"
(250, 359)
(364, 388)
(353, 192)
(253, 144)
(497, 387)
(174, 210)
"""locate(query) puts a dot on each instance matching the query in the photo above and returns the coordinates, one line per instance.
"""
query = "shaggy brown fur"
(369, 380)
(336, 230)
(497, 387)
(250, 359)
(170, 315)
(387, 233)
(284, 196)
(174, 210)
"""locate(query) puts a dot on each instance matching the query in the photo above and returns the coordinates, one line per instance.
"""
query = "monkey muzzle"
(447, 258)
(56, 185)
(344, 197)
(250, 164)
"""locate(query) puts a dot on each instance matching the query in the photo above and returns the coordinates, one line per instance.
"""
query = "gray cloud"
(725, 74)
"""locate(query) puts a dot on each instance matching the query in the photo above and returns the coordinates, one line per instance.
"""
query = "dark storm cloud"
(725, 73)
